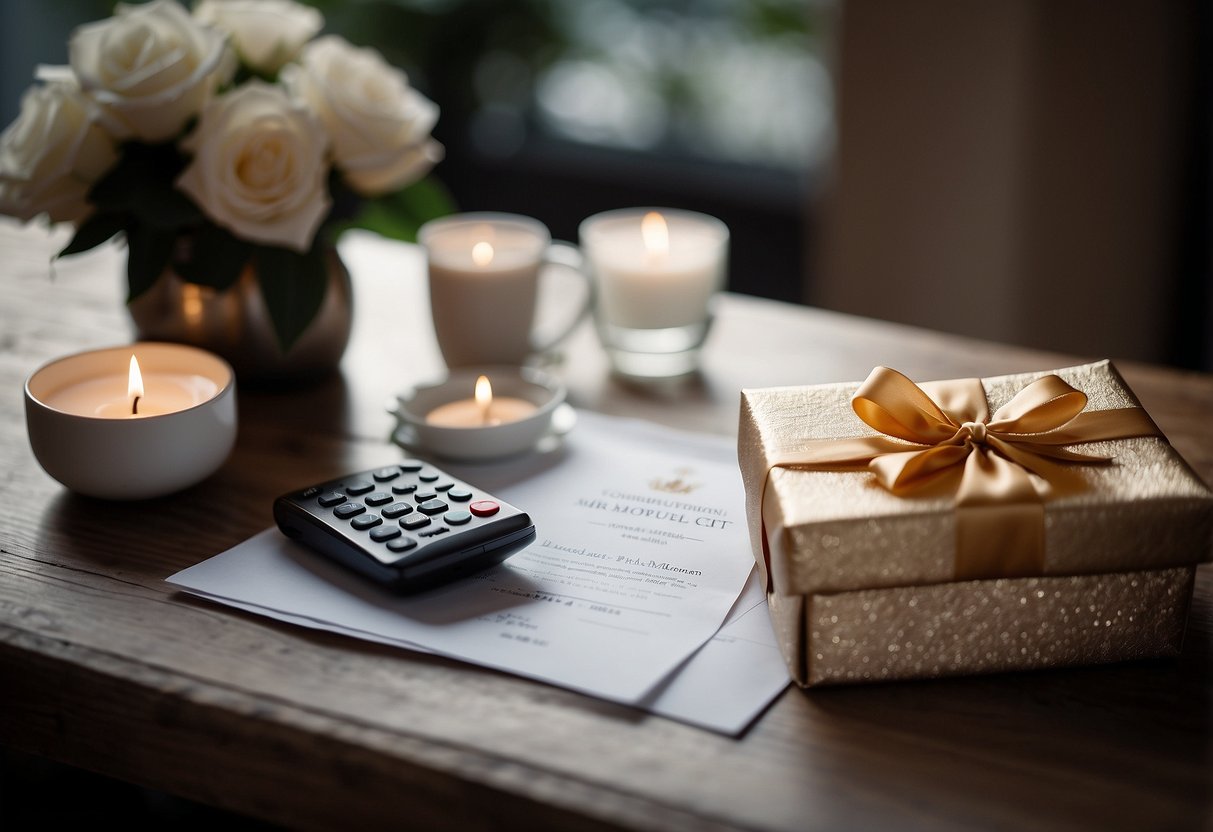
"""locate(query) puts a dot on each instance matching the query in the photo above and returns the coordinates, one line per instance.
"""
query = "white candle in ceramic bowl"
(484, 278)
(132, 422)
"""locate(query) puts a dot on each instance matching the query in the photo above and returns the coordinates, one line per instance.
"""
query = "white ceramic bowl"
(481, 442)
(132, 458)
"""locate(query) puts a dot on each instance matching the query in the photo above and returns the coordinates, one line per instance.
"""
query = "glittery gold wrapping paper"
(862, 581)
(989, 626)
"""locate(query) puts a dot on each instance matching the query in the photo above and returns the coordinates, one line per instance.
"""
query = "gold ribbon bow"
(1001, 468)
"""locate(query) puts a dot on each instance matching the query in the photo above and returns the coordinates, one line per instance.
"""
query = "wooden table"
(103, 666)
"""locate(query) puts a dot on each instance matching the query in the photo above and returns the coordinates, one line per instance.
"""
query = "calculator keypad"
(424, 485)
(409, 516)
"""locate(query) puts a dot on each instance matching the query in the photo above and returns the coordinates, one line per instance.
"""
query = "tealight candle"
(132, 422)
(482, 410)
(441, 419)
(134, 395)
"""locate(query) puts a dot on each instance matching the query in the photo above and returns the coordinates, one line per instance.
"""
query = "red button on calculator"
(484, 508)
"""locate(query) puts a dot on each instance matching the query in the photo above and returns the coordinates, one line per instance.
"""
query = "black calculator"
(409, 526)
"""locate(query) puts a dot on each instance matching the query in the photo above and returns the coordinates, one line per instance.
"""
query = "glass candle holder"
(656, 272)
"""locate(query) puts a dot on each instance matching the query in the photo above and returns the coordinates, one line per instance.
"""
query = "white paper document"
(641, 553)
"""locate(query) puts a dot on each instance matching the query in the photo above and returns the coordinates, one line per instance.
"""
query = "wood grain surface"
(104, 666)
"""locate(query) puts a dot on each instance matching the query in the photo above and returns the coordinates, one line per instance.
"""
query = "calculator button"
(384, 533)
(359, 487)
(366, 521)
(457, 518)
(443, 486)
(459, 495)
(484, 508)
(432, 507)
(404, 488)
(396, 509)
(410, 467)
(330, 499)
(378, 498)
(386, 474)
(415, 521)
(428, 476)
(348, 510)
(402, 544)
(424, 496)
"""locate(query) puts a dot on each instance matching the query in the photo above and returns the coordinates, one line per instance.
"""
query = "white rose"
(153, 67)
(52, 154)
(379, 125)
(259, 167)
(266, 33)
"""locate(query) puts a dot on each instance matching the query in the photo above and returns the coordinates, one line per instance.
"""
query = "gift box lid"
(834, 527)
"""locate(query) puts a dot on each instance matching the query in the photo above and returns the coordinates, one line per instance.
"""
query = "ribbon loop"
(1045, 404)
(896, 406)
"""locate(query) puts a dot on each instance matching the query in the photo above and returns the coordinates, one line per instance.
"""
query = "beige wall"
(1010, 169)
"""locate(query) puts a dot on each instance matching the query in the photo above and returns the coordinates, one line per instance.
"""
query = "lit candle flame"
(134, 385)
(484, 398)
(656, 234)
(191, 304)
(482, 253)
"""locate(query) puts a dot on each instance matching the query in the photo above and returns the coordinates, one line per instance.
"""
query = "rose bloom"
(52, 154)
(153, 67)
(259, 167)
(379, 125)
(266, 33)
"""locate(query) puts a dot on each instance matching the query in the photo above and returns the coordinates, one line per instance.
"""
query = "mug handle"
(568, 255)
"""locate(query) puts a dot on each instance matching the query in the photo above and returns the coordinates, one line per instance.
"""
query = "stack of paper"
(641, 556)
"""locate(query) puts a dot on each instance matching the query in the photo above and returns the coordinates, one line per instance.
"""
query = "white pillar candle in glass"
(655, 271)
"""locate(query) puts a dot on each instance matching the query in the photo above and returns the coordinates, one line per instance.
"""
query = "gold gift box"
(861, 583)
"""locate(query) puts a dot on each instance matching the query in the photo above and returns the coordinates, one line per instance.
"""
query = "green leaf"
(293, 286)
(142, 183)
(426, 199)
(216, 258)
(399, 215)
(95, 230)
(148, 252)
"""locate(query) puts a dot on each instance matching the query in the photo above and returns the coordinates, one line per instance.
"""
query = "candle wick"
(135, 406)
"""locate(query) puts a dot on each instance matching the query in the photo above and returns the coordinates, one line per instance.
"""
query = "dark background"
(493, 67)
(562, 108)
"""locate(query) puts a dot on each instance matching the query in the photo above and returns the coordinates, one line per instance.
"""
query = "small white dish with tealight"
(478, 414)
